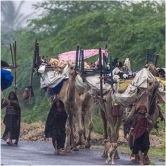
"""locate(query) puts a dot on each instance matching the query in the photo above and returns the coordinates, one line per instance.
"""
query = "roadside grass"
(2, 131)
(153, 152)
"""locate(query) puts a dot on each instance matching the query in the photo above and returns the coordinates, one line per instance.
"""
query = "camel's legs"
(80, 141)
(90, 125)
(131, 114)
(104, 122)
(68, 133)
(117, 125)
(80, 128)
(84, 128)
(73, 139)
(160, 113)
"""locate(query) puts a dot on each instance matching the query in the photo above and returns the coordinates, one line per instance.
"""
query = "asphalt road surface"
(41, 153)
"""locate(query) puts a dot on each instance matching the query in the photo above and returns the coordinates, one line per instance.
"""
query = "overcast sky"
(27, 6)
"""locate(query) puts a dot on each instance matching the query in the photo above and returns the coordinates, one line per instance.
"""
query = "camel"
(146, 97)
(106, 109)
(87, 108)
(106, 112)
(77, 104)
(73, 107)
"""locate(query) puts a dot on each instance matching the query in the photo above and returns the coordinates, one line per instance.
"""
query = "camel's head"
(152, 68)
(152, 86)
(72, 71)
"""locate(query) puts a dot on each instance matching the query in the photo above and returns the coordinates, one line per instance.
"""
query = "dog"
(110, 150)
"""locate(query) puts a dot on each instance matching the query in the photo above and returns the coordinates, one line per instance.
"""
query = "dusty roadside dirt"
(35, 132)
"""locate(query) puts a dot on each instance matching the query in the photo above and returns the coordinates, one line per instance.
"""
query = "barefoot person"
(55, 125)
(139, 127)
(12, 118)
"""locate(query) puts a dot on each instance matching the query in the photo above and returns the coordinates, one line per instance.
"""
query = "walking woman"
(12, 118)
(55, 125)
(139, 128)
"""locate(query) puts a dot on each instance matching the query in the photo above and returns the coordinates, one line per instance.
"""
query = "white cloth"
(140, 80)
(51, 78)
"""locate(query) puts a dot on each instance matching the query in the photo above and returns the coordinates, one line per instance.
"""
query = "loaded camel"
(146, 97)
(77, 104)
(73, 107)
(106, 112)
(87, 109)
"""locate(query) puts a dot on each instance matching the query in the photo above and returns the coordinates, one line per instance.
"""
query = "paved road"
(41, 153)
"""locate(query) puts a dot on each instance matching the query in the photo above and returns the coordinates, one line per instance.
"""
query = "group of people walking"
(136, 132)
(54, 128)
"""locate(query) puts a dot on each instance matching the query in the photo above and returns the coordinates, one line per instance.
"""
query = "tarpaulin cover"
(71, 55)
(6, 79)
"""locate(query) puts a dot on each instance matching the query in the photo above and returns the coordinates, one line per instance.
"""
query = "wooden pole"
(15, 66)
(147, 55)
(32, 70)
(79, 58)
(82, 65)
(37, 58)
(76, 60)
(12, 55)
(112, 81)
(100, 68)
(104, 65)
(156, 60)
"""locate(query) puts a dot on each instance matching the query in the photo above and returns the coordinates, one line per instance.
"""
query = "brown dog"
(109, 151)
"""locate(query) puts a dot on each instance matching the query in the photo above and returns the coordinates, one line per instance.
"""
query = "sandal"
(56, 152)
(132, 158)
(141, 163)
(9, 143)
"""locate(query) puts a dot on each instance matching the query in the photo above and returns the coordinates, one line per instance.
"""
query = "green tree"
(128, 29)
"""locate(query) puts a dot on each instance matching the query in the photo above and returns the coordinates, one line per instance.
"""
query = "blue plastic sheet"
(6, 79)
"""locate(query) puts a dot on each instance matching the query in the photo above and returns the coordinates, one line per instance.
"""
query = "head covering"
(58, 99)
(120, 64)
(142, 106)
(115, 61)
(15, 96)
